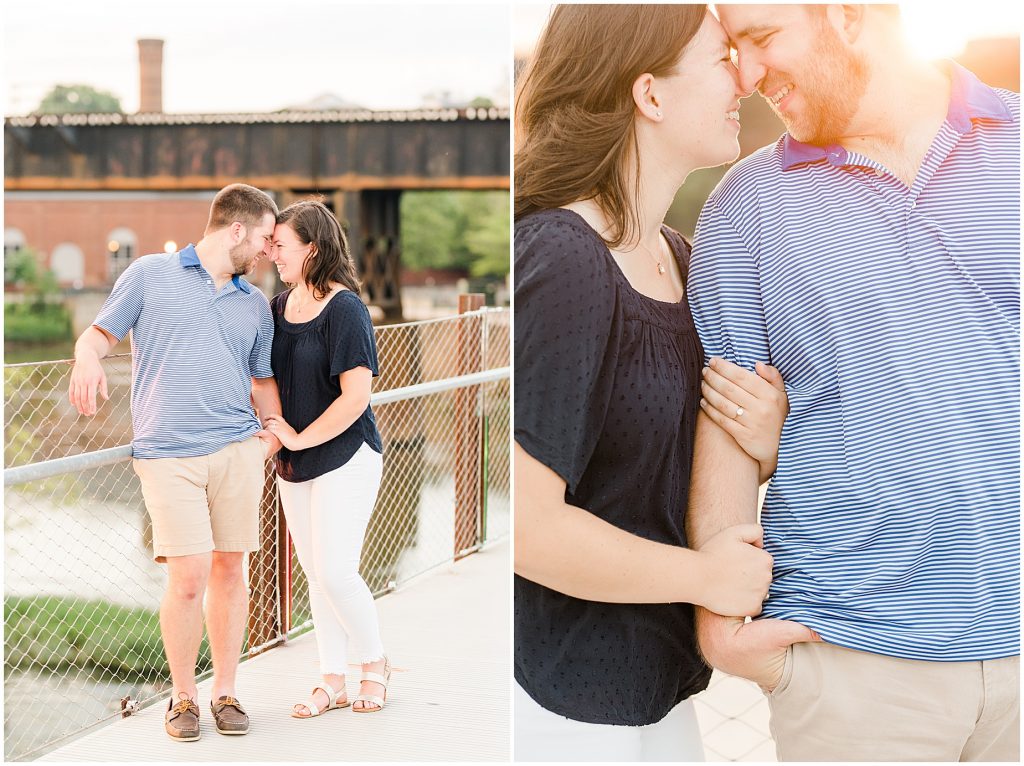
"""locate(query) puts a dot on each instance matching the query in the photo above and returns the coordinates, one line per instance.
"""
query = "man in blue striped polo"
(201, 338)
(871, 255)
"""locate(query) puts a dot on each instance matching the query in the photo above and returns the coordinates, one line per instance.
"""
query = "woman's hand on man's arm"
(570, 550)
(355, 387)
(750, 408)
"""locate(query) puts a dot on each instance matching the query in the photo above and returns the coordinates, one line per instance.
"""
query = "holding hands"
(277, 426)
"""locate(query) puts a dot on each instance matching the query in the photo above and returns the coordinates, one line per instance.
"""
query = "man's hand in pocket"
(753, 650)
(271, 444)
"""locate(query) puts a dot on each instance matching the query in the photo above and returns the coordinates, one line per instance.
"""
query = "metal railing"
(81, 599)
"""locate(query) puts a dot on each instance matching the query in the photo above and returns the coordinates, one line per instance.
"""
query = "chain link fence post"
(468, 442)
(268, 569)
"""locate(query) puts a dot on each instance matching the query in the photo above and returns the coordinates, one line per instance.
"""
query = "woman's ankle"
(337, 681)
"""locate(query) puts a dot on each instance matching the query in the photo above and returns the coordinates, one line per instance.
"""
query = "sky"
(233, 56)
(935, 28)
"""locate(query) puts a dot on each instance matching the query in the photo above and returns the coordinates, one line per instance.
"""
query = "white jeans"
(541, 735)
(327, 518)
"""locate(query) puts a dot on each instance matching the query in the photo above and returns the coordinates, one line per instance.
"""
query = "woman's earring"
(658, 113)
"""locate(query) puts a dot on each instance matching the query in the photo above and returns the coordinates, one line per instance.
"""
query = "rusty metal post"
(284, 572)
(267, 576)
(468, 443)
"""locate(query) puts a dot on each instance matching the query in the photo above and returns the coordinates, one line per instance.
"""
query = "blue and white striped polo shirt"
(894, 317)
(194, 353)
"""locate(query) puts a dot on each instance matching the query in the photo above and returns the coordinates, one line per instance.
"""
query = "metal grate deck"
(447, 634)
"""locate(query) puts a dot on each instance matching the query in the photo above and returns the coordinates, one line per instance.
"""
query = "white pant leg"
(341, 503)
(331, 639)
(541, 735)
(676, 737)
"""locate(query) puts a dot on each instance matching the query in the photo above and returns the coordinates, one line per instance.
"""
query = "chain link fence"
(82, 593)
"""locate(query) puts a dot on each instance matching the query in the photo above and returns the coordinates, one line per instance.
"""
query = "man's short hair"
(239, 202)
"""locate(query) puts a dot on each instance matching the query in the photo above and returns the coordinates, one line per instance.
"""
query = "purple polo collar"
(969, 99)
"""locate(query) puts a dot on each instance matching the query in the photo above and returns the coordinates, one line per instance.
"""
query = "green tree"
(41, 316)
(64, 99)
(429, 231)
(487, 234)
(456, 230)
(23, 271)
(21, 268)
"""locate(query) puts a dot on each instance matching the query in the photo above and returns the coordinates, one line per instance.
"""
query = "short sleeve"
(724, 292)
(259, 357)
(123, 306)
(350, 337)
(566, 344)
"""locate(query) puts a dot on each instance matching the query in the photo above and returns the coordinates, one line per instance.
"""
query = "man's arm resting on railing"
(571, 550)
(723, 491)
(87, 375)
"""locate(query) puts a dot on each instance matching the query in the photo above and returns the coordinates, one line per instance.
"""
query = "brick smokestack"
(151, 75)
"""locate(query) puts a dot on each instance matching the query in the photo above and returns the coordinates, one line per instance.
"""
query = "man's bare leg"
(181, 618)
(227, 608)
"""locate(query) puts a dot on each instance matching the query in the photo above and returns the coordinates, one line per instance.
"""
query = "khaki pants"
(837, 704)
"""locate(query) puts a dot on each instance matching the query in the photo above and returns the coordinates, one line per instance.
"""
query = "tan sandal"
(378, 701)
(332, 702)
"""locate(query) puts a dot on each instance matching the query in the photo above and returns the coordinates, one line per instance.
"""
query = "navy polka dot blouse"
(607, 385)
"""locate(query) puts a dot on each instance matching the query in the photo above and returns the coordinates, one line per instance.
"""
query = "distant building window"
(68, 264)
(121, 247)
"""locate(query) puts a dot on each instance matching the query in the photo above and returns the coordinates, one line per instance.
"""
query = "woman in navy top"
(619, 104)
(329, 469)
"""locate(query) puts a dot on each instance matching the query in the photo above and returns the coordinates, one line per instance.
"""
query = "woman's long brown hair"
(330, 260)
(574, 105)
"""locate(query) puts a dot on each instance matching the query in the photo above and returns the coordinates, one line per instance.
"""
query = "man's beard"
(243, 259)
(832, 87)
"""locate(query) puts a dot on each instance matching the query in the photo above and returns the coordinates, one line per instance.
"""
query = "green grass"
(25, 323)
(67, 634)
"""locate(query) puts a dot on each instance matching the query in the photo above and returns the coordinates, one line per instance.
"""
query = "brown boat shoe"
(229, 716)
(181, 721)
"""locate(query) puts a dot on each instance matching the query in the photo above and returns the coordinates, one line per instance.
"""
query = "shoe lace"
(225, 700)
(185, 705)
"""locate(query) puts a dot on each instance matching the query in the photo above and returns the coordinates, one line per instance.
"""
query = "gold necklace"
(300, 306)
(657, 260)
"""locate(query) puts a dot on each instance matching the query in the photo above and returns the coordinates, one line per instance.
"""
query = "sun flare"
(936, 30)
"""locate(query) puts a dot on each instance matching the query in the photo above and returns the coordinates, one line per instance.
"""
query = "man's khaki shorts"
(206, 503)
(838, 704)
